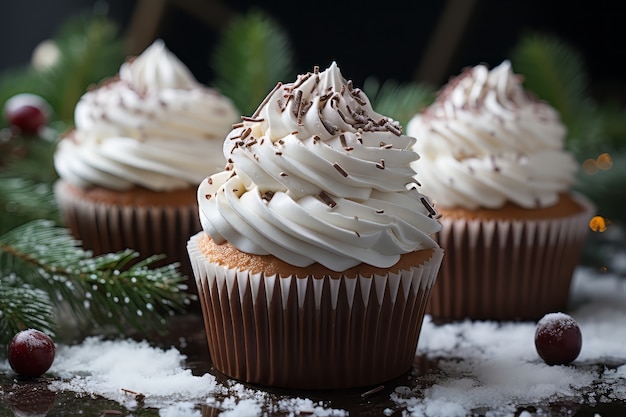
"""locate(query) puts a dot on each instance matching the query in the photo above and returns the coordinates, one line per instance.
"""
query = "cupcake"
(316, 257)
(494, 164)
(142, 141)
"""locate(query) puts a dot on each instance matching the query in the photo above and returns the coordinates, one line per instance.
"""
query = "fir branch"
(90, 50)
(556, 73)
(26, 177)
(398, 101)
(103, 290)
(30, 157)
(23, 307)
(24, 200)
(253, 55)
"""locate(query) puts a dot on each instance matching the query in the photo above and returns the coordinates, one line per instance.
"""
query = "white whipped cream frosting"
(486, 141)
(153, 126)
(315, 175)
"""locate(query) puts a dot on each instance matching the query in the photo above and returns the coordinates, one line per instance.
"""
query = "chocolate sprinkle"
(332, 129)
(252, 119)
(267, 196)
(340, 169)
(326, 199)
(245, 133)
(297, 103)
(264, 102)
(393, 128)
(431, 210)
(493, 162)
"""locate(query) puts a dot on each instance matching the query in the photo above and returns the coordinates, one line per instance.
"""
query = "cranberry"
(558, 339)
(31, 353)
(27, 113)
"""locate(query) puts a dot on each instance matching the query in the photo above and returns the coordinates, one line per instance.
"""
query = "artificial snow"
(486, 366)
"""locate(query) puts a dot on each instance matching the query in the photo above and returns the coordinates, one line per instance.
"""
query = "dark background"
(386, 39)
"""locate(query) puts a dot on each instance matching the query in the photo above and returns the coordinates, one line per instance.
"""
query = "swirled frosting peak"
(316, 175)
(157, 68)
(486, 141)
(152, 126)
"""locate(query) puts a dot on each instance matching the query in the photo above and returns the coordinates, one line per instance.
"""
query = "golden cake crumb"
(229, 256)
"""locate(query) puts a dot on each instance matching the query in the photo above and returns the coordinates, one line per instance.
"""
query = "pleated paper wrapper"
(508, 269)
(312, 332)
(149, 230)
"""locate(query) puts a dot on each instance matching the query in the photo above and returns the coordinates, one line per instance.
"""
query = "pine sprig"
(29, 157)
(556, 73)
(100, 291)
(25, 200)
(90, 50)
(27, 175)
(398, 101)
(554, 70)
(23, 307)
(253, 55)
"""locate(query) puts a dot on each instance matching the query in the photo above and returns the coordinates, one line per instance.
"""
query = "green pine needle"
(26, 177)
(100, 291)
(90, 51)
(398, 101)
(253, 55)
(23, 307)
(23, 200)
(554, 71)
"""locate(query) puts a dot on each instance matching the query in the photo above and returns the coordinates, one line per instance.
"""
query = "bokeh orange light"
(597, 224)
(602, 162)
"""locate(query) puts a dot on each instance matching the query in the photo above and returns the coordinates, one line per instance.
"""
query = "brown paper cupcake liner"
(507, 269)
(312, 332)
(149, 230)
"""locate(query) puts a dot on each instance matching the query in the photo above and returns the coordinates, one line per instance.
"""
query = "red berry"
(558, 339)
(27, 112)
(31, 353)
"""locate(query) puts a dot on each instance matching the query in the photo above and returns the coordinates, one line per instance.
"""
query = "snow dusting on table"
(482, 367)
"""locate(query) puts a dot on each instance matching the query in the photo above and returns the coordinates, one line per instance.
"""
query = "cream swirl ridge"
(152, 126)
(316, 175)
(486, 141)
